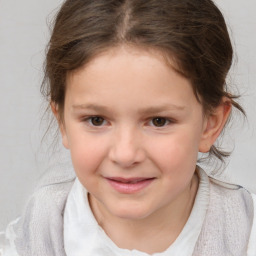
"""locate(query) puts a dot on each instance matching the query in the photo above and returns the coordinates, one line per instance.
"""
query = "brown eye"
(159, 121)
(97, 121)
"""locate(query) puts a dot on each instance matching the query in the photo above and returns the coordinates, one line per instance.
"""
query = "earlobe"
(214, 124)
(55, 111)
(65, 140)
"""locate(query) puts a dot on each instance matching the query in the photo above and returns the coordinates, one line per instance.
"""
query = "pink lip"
(129, 186)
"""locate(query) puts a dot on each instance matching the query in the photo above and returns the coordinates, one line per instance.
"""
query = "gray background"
(23, 157)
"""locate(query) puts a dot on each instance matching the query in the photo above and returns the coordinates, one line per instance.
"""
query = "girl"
(138, 90)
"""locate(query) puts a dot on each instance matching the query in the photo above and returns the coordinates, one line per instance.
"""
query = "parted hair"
(192, 33)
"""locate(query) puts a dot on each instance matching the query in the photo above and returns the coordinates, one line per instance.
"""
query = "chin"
(131, 213)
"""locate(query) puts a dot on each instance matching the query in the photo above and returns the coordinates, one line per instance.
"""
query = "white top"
(83, 234)
(251, 251)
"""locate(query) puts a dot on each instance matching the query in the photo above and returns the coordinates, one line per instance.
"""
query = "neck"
(154, 233)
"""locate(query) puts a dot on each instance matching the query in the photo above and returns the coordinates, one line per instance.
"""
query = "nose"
(127, 148)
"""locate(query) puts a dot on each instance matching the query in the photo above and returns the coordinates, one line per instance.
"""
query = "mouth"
(130, 185)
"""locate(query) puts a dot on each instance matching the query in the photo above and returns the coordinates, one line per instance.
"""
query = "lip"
(130, 185)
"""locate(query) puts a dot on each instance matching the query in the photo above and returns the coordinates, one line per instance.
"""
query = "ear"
(55, 111)
(214, 124)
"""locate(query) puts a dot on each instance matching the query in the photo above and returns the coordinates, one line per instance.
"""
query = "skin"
(129, 115)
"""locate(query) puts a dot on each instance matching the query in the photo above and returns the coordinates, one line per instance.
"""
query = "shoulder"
(41, 219)
(233, 210)
(252, 242)
(231, 195)
(7, 247)
(224, 196)
(232, 202)
(52, 190)
(229, 224)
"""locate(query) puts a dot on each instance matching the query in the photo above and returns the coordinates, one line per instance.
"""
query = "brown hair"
(193, 33)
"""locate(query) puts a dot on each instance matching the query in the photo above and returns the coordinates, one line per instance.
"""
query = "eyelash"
(89, 120)
(166, 121)
(160, 118)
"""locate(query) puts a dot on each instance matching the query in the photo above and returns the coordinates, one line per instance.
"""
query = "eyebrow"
(91, 107)
(147, 110)
(161, 108)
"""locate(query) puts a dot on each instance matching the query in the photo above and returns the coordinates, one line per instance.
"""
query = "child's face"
(134, 129)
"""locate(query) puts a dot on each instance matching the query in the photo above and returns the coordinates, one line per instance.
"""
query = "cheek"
(87, 154)
(176, 155)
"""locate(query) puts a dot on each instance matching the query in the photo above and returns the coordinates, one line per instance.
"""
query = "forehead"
(128, 52)
(128, 75)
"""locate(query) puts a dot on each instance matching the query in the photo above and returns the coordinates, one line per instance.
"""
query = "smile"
(129, 186)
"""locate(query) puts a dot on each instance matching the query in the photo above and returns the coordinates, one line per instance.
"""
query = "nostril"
(126, 149)
(126, 157)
